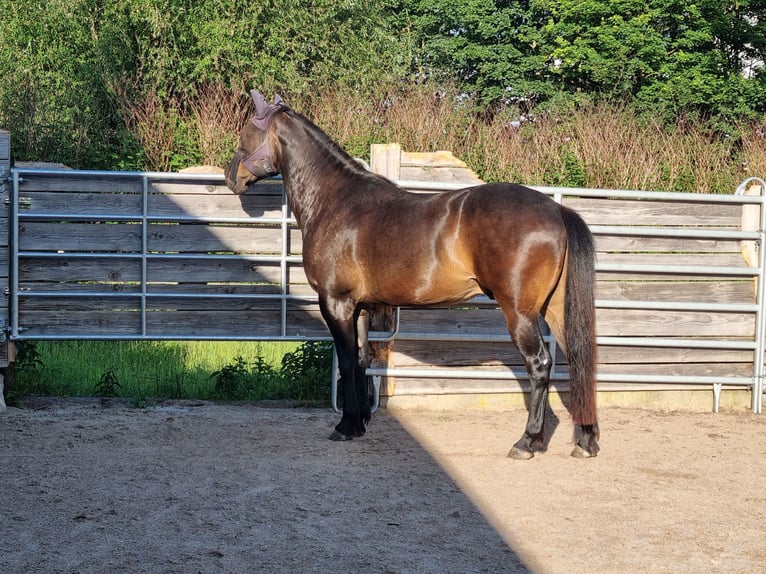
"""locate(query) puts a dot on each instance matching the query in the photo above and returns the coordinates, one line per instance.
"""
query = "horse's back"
(511, 212)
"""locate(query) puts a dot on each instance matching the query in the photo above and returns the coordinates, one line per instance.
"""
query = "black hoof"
(339, 437)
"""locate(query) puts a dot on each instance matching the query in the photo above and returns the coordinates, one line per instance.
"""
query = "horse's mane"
(330, 149)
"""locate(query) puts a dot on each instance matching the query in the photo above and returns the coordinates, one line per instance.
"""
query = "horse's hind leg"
(525, 332)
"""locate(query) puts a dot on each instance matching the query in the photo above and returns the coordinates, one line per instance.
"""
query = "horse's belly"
(419, 290)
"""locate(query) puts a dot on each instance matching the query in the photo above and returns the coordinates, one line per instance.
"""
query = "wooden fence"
(106, 255)
(677, 296)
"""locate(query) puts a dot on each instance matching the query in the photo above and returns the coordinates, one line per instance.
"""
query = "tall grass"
(598, 145)
(165, 369)
(602, 145)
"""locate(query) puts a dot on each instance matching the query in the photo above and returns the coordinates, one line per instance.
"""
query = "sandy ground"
(190, 487)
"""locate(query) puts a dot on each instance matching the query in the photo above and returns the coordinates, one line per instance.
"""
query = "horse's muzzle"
(233, 181)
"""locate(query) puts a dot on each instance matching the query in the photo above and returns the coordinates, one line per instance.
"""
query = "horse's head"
(255, 157)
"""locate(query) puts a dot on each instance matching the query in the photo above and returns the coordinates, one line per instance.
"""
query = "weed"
(231, 379)
(307, 371)
(108, 385)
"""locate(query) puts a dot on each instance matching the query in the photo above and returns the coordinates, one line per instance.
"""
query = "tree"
(669, 56)
(494, 48)
(69, 66)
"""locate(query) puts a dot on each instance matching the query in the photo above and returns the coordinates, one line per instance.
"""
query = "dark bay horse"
(367, 242)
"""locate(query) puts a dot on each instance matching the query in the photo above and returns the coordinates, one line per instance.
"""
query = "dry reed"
(596, 145)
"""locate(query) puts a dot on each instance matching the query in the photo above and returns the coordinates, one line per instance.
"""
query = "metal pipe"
(519, 374)
(675, 196)
(759, 371)
(671, 232)
(13, 240)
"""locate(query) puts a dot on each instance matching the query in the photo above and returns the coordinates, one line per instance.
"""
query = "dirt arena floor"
(188, 487)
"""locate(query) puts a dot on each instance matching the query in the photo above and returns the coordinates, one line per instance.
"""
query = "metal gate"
(116, 255)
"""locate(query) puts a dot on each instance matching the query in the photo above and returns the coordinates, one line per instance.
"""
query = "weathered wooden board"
(75, 182)
(159, 205)
(674, 259)
(609, 322)
(86, 237)
(631, 244)
(656, 213)
(700, 291)
(419, 354)
(169, 322)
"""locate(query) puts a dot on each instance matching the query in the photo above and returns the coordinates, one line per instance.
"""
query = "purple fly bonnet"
(260, 163)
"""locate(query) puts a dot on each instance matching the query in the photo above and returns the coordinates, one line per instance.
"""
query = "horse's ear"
(261, 105)
(278, 101)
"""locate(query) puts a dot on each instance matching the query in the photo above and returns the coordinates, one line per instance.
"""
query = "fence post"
(5, 172)
(385, 159)
(754, 219)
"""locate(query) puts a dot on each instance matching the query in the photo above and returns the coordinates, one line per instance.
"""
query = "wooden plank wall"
(613, 322)
(468, 320)
(80, 241)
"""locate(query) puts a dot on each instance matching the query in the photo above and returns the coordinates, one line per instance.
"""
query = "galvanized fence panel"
(751, 341)
(142, 256)
(141, 226)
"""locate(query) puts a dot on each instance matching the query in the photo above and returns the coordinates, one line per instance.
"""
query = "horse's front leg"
(341, 318)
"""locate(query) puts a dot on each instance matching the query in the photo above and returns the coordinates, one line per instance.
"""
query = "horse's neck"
(314, 173)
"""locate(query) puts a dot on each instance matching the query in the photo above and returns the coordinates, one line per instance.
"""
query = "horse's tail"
(580, 318)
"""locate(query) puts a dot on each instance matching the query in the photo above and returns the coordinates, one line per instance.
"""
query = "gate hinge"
(24, 202)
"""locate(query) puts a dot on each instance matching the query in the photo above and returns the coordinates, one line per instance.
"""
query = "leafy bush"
(304, 376)
(307, 371)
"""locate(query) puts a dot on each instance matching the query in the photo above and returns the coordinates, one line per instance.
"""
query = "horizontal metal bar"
(652, 342)
(518, 374)
(677, 306)
(138, 218)
(740, 381)
(219, 179)
(683, 197)
(683, 232)
(170, 337)
(72, 173)
(24, 294)
(150, 175)
(674, 196)
(228, 256)
(708, 270)
(648, 342)
(161, 256)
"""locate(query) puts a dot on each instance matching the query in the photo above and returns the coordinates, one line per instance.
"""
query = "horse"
(369, 243)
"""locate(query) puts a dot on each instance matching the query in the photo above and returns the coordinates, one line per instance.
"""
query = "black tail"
(580, 318)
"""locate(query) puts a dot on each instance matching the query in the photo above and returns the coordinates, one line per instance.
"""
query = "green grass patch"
(176, 370)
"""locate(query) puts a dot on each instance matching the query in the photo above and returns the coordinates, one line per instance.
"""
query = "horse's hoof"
(339, 437)
(580, 452)
(518, 454)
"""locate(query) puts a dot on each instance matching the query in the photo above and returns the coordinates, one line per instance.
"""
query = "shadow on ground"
(176, 488)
